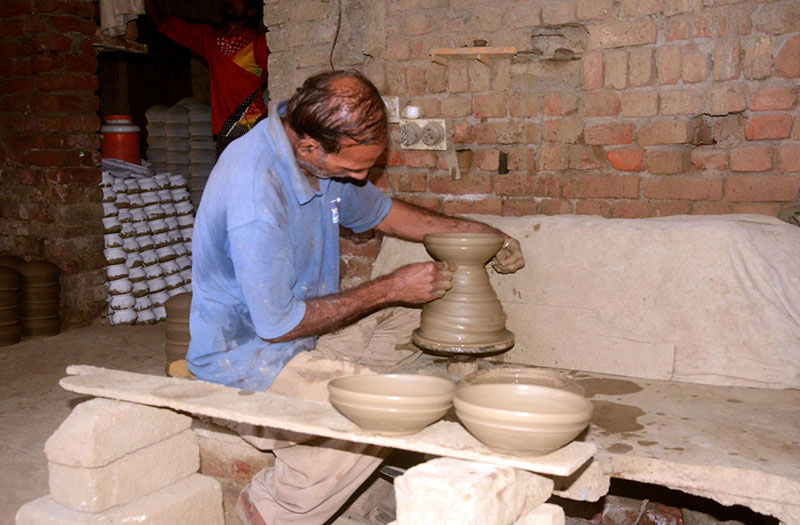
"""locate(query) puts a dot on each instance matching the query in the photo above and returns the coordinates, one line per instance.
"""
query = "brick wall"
(49, 147)
(658, 107)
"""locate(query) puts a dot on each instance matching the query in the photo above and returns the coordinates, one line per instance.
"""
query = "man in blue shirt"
(265, 276)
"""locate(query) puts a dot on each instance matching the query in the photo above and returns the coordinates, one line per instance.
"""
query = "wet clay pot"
(10, 334)
(468, 319)
(40, 299)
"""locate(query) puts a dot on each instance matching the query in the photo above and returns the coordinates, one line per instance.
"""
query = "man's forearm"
(413, 223)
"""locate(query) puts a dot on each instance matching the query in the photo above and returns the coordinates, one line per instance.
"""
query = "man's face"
(351, 161)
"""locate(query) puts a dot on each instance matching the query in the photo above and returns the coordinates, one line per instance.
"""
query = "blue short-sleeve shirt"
(265, 240)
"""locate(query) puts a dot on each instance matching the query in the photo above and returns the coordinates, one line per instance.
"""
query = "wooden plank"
(444, 438)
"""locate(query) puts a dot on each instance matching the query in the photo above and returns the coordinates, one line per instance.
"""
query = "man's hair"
(329, 111)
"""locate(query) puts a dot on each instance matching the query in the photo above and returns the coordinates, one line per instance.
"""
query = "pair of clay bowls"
(528, 418)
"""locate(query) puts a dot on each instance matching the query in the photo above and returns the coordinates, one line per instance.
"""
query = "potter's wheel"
(452, 349)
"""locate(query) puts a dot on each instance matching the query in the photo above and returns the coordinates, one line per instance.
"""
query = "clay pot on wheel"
(468, 319)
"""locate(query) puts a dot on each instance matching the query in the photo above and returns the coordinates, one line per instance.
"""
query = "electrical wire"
(336, 34)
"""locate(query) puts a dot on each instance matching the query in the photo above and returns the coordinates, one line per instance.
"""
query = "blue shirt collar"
(302, 189)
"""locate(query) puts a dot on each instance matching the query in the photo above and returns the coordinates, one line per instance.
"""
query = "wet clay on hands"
(469, 318)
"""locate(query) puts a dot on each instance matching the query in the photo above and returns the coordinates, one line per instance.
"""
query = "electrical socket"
(422, 133)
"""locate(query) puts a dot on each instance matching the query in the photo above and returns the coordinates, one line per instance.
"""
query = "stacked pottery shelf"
(157, 137)
(202, 150)
(177, 128)
(10, 329)
(40, 301)
(176, 329)
(147, 226)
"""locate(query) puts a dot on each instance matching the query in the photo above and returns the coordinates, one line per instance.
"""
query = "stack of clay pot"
(157, 137)
(148, 227)
(10, 285)
(40, 300)
(177, 332)
(177, 127)
(202, 150)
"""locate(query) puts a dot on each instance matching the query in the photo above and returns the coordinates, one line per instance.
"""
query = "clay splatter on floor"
(608, 387)
(619, 448)
(615, 418)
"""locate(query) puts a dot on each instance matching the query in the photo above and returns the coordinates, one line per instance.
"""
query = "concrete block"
(194, 500)
(126, 479)
(545, 514)
(451, 491)
(588, 484)
(101, 430)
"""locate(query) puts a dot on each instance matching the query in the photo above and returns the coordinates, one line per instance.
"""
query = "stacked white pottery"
(157, 137)
(177, 126)
(147, 245)
(202, 150)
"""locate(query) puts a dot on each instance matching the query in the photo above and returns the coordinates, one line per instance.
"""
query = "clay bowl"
(522, 419)
(463, 248)
(392, 404)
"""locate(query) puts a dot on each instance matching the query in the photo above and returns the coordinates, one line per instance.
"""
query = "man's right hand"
(421, 282)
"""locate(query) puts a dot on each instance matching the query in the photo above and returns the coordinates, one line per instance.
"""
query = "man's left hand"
(508, 258)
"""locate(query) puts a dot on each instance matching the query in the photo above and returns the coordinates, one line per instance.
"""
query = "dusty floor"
(32, 405)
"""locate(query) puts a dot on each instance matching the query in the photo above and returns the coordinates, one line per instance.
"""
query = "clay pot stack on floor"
(157, 138)
(202, 150)
(148, 228)
(176, 329)
(10, 284)
(177, 127)
(40, 300)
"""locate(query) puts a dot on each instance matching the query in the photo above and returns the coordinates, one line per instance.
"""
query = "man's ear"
(307, 148)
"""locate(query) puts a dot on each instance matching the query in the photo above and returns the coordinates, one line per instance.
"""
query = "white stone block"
(545, 514)
(588, 484)
(101, 430)
(194, 500)
(452, 491)
(126, 479)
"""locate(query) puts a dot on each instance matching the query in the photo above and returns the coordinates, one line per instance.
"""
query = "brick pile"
(117, 462)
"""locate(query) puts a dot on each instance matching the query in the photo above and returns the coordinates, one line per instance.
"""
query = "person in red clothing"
(236, 53)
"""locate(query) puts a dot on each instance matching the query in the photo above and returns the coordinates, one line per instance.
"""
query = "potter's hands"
(509, 258)
(421, 282)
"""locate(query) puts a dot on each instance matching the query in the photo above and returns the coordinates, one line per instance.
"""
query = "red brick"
(582, 157)
(486, 159)
(757, 208)
(524, 104)
(762, 188)
(682, 102)
(67, 82)
(559, 104)
(594, 8)
(593, 207)
(622, 33)
(593, 70)
(687, 188)
(765, 127)
(633, 209)
(726, 59)
(641, 67)
(639, 103)
(615, 68)
(708, 158)
(789, 157)
(521, 158)
(499, 132)
(787, 63)
(69, 102)
(729, 99)
(555, 207)
(751, 158)
(53, 158)
(457, 77)
(12, 28)
(553, 156)
(779, 18)
(757, 59)
(694, 64)
(410, 181)
(667, 161)
(457, 106)
(491, 105)
(563, 129)
(86, 10)
(16, 7)
(66, 24)
(557, 12)
(436, 76)
(367, 249)
(533, 133)
(617, 133)
(429, 202)
(610, 186)
(702, 24)
(676, 28)
(415, 81)
(17, 85)
(11, 48)
(420, 159)
(772, 98)
(601, 104)
(52, 42)
(520, 207)
(736, 20)
(514, 185)
(417, 23)
(15, 66)
(641, 7)
(627, 159)
(670, 131)
(463, 133)
(44, 63)
(729, 129)
(668, 64)
(74, 175)
(35, 24)
(469, 183)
